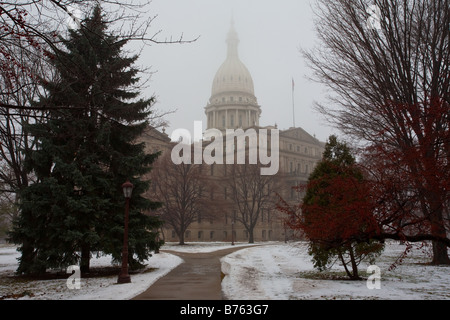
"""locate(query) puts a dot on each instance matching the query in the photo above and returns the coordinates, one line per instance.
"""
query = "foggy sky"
(271, 34)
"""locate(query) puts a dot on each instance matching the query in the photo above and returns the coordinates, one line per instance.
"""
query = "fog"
(271, 35)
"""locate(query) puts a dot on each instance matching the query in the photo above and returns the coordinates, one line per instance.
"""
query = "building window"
(231, 99)
(187, 235)
(223, 121)
(240, 121)
(232, 120)
(200, 235)
(211, 235)
(240, 99)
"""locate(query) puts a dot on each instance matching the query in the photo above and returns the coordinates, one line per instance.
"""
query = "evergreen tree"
(86, 150)
(337, 212)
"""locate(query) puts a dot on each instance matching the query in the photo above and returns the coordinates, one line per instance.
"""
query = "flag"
(293, 104)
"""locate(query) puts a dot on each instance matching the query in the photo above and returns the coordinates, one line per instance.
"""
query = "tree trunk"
(250, 236)
(440, 254)
(344, 264)
(355, 275)
(181, 238)
(85, 258)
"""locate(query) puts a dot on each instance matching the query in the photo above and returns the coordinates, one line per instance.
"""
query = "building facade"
(233, 105)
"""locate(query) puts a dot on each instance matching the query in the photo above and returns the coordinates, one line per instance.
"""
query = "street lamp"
(124, 277)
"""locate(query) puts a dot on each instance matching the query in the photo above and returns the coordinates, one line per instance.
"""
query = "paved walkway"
(198, 278)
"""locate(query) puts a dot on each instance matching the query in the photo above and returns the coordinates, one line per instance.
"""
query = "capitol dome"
(233, 103)
(233, 75)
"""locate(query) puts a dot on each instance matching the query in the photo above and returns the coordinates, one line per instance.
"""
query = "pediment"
(300, 134)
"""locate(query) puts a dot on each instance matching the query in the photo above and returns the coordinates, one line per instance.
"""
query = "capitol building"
(233, 105)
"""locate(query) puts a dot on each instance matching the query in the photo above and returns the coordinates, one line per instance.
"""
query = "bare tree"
(185, 193)
(19, 89)
(250, 193)
(8, 208)
(388, 65)
(35, 26)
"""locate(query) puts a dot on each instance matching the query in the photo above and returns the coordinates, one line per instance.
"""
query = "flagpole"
(293, 102)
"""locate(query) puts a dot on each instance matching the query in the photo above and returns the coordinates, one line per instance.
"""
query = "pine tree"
(86, 150)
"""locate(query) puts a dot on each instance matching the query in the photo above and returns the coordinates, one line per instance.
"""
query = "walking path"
(197, 278)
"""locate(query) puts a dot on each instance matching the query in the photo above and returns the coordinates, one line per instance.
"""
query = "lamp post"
(124, 277)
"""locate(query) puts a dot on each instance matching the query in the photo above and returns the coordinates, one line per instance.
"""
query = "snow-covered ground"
(90, 288)
(105, 288)
(285, 272)
(275, 271)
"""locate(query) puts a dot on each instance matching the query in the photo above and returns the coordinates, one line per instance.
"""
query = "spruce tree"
(85, 151)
